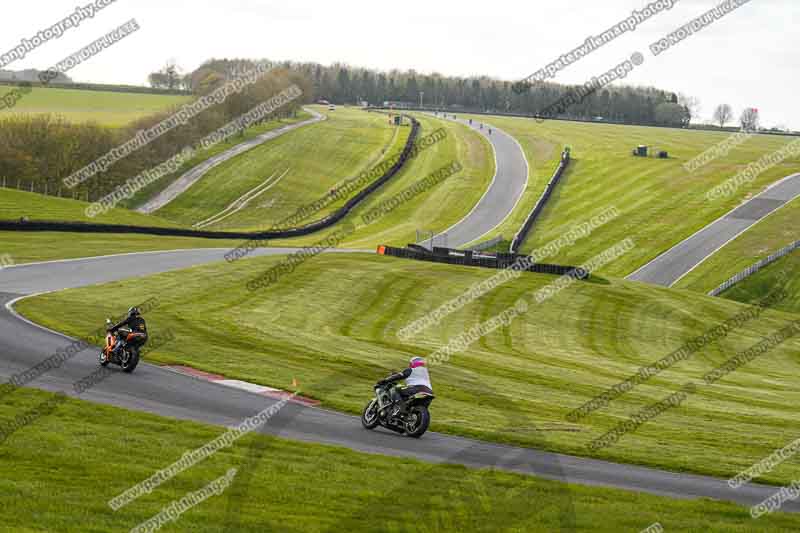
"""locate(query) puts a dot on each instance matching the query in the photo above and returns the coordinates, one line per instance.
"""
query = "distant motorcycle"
(413, 418)
(128, 358)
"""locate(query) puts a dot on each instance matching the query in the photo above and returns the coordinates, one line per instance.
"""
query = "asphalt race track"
(668, 268)
(161, 391)
(502, 196)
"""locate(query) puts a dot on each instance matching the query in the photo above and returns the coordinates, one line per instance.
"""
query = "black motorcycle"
(128, 359)
(413, 418)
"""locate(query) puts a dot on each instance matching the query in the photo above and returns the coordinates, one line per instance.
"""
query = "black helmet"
(133, 311)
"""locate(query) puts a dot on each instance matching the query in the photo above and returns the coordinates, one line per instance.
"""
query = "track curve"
(161, 391)
(502, 196)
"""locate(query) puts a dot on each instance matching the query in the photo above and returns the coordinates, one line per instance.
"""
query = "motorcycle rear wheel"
(130, 363)
(418, 420)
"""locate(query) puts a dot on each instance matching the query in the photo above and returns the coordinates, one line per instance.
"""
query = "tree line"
(344, 84)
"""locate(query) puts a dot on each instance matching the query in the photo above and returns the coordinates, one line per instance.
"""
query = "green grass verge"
(60, 471)
(318, 157)
(338, 317)
(154, 188)
(33, 246)
(785, 271)
(15, 204)
(759, 242)
(104, 107)
(661, 203)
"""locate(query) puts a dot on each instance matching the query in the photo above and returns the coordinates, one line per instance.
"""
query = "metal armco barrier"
(476, 259)
(330, 220)
(523, 233)
(749, 271)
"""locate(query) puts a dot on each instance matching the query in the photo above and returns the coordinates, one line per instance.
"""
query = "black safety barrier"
(523, 233)
(479, 259)
(327, 222)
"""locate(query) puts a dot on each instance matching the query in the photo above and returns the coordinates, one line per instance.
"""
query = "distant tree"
(169, 77)
(173, 75)
(157, 80)
(749, 119)
(668, 114)
(692, 106)
(723, 114)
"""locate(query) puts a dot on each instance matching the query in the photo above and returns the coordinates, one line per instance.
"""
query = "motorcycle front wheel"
(417, 421)
(369, 418)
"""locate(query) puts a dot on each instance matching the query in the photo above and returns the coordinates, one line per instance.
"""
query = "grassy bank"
(60, 471)
(338, 317)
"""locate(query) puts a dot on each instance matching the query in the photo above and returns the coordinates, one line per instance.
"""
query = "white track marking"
(242, 202)
(231, 206)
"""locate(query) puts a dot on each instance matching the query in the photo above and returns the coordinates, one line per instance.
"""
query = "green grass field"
(15, 204)
(785, 271)
(34, 246)
(548, 362)
(317, 158)
(202, 155)
(104, 107)
(660, 202)
(60, 471)
(765, 238)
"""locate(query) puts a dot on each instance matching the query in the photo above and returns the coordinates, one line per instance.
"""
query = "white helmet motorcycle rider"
(417, 380)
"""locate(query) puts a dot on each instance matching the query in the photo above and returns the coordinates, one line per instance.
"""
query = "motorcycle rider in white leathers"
(417, 380)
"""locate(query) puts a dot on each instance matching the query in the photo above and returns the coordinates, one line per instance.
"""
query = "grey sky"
(748, 58)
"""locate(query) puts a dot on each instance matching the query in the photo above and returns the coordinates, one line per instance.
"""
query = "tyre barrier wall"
(523, 233)
(491, 243)
(475, 259)
(749, 271)
(330, 220)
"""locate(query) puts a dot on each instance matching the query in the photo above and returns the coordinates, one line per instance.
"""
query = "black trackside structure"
(482, 260)
(523, 233)
(327, 222)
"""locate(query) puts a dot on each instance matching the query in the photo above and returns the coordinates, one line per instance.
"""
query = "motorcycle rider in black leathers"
(138, 335)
